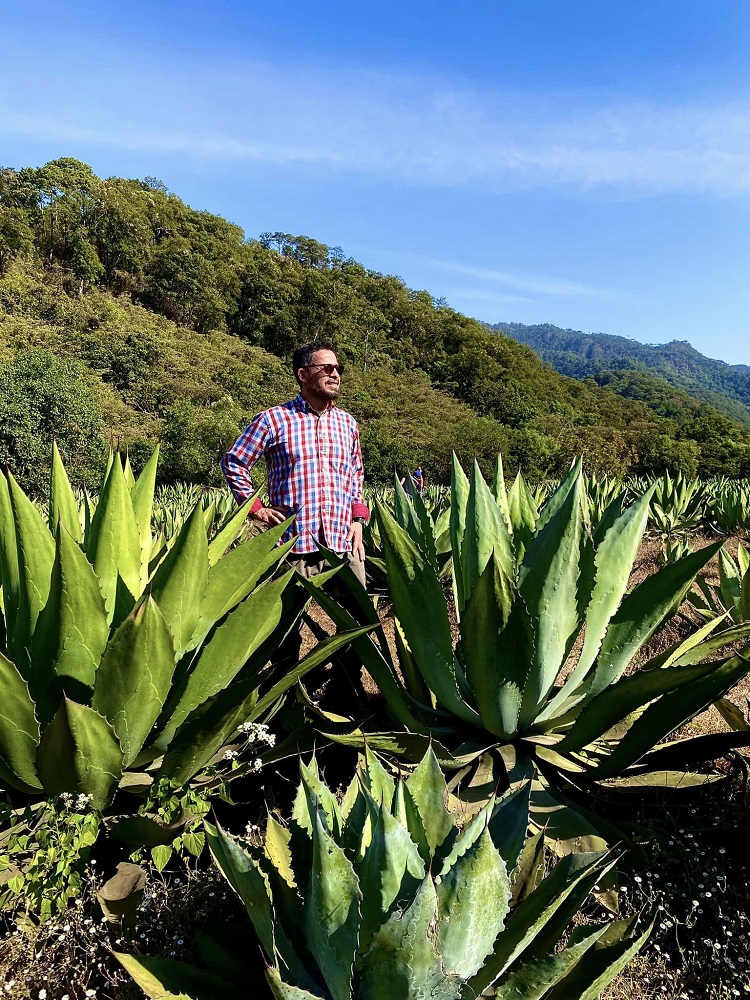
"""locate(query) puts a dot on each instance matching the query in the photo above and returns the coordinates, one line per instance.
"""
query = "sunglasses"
(328, 369)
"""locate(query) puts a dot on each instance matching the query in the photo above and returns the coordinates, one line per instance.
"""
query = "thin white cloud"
(536, 284)
(406, 129)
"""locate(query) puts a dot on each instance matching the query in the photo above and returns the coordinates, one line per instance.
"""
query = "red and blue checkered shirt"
(314, 470)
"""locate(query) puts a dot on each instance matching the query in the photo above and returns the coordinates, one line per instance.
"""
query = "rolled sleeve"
(242, 456)
(359, 509)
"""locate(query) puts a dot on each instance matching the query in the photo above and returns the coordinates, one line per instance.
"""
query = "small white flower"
(230, 754)
(42, 995)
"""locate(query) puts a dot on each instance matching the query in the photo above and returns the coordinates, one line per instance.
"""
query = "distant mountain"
(592, 355)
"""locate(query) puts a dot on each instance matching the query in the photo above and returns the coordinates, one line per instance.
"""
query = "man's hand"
(268, 516)
(354, 540)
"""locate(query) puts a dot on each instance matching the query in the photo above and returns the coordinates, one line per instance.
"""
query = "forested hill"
(128, 317)
(584, 355)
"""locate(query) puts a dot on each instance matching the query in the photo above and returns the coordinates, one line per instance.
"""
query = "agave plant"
(729, 507)
(731, 598)
(383, 896)
(547, 638)
(121, 651)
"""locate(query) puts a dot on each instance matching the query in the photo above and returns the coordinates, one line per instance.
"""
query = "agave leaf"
(113, 544)
(529, 871)
(571, 879)
(509, 822)
(36, 554)
(614, 561)
(62, 502)
(428, 789)
(668, 713)
(236, 575)
(426, 527)
(597, 968)
(730, 583)
(534, 978)
(407, 517)
(523, 515)
(390, 869)
(277, 849)
(206, 730)
(695, 750)
(142, 499)
(229, 531)
(19, 730)
(457, 525)
(179, 584)
(16, 618)
(406, 812)
(418, 594)
(317, 795)
(641, 613)
(561, 496)
(135, 675)
(732, 715)
(234, 642)
(332, 912)
(379, 783)
(79, 752)
(403, 960)
(247, 879)
(485, 535)
(548, 584)
(500, 493)
(497, 646)
(71, 631)
(379, 667)
(168, 979)
(625, 696)
(283, 991)
(468, 926)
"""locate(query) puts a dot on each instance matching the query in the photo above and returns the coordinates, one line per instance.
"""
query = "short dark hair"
(303, 356)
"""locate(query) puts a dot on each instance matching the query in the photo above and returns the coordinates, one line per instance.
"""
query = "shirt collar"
(301, 404)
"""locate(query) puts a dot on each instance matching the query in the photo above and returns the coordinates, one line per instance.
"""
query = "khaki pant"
(309, 565)
(312, 563)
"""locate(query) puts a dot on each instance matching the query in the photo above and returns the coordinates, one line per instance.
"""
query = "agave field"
(470, 784)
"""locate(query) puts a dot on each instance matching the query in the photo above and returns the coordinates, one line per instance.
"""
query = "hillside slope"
(581, 355)
(128, 317)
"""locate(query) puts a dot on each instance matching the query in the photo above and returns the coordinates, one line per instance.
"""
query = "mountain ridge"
(582, 355)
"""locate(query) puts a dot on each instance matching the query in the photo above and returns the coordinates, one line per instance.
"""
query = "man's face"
(315, 377)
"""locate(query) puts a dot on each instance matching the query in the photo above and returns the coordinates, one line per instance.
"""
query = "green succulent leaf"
(534, 978)
(389, 871)
(468, 926)
(418, 594)
(71, 631)
(113, 544)
(548, 584)
(62, 502)
(403, 961)
(427, 787)
(168, 979)
(332, 912)
(19, 730)
(79, 752)
(135, 675)
(179, 584)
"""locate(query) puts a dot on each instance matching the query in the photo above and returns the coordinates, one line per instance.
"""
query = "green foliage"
(45, 398)
(529, 584)
(122, 650)
(181, 323)
(43, 850)
(382, 895)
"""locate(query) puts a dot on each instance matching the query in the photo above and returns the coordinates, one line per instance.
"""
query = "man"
(314, 465)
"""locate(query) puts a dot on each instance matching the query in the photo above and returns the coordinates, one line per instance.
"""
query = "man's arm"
(359, 509)
(240, 459)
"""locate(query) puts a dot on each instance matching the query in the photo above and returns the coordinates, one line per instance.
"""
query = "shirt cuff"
(360, 510)
(255, 505)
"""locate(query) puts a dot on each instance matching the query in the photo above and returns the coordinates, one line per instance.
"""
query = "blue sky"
(584, 164)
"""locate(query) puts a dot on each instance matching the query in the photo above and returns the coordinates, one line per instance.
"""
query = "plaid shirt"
(314, 470)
